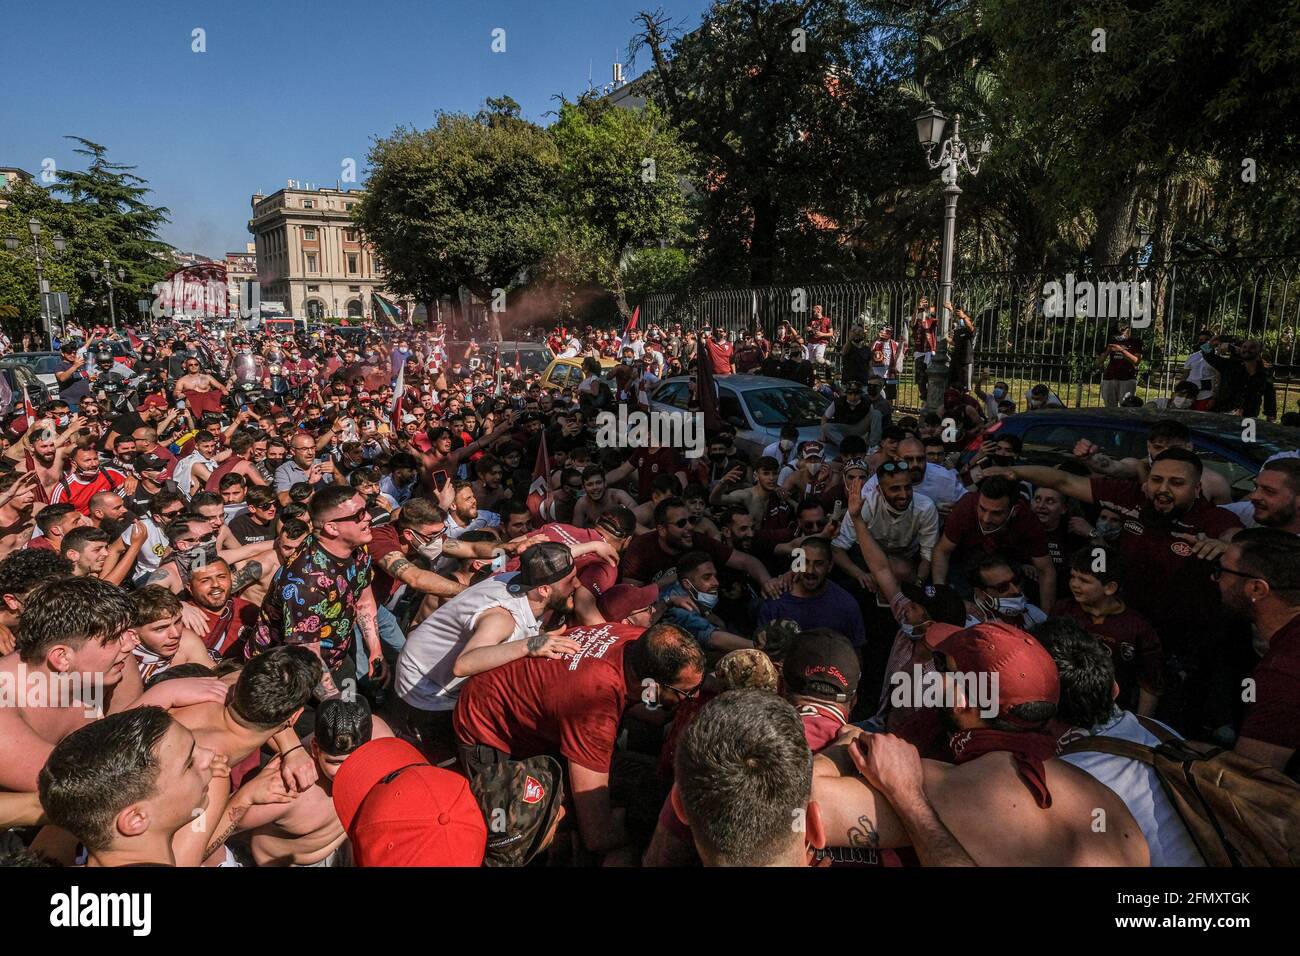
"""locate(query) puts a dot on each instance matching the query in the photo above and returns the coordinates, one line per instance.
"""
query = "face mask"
(999, 393)
(1108, 530)
(62, 420)
(1182, 402)
(814, 467)
(909, 630)
(717, 456)
(1012, 605)
(707, 600)
(432, 549)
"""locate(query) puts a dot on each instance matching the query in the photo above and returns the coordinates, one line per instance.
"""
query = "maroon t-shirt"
(1020, 539)
(214, 480)
(1133, 644)
(383, 540)
(1163, 580)
(1118, 368)
(652, 462)
(540, 705)
(1274, 715)
(595, 573)
(645, 560)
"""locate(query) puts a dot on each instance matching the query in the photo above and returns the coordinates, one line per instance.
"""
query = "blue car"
(1049, 436)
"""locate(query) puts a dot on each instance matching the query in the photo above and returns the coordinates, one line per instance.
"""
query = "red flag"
(539, 492)
(631, 323)
(399, 393)
(706, 391)
(28, 410)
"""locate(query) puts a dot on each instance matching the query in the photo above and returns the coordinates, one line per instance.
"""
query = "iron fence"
(1049, 326)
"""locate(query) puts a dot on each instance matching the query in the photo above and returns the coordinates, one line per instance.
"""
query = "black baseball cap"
(520, 800)
(822, 663)
(540, 565)
(941, 602)
(619, 522)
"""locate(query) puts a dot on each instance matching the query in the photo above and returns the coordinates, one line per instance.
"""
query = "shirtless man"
(44, 451)
(17, 520)
(756, 498)
(445, 460)
(1162, 436)
(307, 831)
(164, 641)
(198, 388)
(227, 620)
(74, 626)
(265, 699)
(292, 532)
(1007, 800)
(20, 573)
(599, 499)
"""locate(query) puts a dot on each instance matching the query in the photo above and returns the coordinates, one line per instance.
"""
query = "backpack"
(1238, 811)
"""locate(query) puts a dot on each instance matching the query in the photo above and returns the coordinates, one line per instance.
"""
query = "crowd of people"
(375, 598)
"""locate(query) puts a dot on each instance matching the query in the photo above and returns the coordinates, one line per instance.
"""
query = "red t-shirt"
(72, 490)
(383, 540)
(923, 339)
(645, 560)
(1021, 538)
(820, 330)
(541, 705)
(652, 462)
(720, 356)
(1274, 715)
(1163, 580)
(226, 630)
(595, 573)
(214, 480)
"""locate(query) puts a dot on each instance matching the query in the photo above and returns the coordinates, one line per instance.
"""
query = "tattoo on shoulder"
(250, 572)
(864, 834)
(158, 577)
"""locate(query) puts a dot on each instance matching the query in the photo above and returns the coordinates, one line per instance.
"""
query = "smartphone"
(243, 408)
(180, 403)
(439, 480)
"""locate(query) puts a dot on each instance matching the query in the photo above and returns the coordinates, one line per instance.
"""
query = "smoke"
(550, 305)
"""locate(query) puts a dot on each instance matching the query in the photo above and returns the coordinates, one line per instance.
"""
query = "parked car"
(531, 356)
(42, 365)
(19, 374)
(1049, 435)
(756, 405)
(568, 373)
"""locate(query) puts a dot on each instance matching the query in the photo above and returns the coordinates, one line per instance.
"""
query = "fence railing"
(1049, 326)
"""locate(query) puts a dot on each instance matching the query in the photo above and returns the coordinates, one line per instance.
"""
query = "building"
(310, 255)
(8, 176)
(241, 268)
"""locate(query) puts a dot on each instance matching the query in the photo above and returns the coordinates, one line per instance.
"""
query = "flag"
(6, 394)
(385, 310)
(28, 410)
(631, 324)
(399, 392)
(705, 389)
(539, 492)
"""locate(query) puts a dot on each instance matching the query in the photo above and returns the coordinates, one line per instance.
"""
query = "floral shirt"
(313, 599)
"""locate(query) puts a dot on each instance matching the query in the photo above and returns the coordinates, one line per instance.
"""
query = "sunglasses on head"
(890, 467)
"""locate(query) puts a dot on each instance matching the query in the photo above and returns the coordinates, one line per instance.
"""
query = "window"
(348, 206)
(354, 288)
(309, 233)
(730, 409)
(349, 235)
(311, 263)
(352, 263)
(1053, 444)
(774, 407)
(308, 204)
(673, 393)
(313, 288)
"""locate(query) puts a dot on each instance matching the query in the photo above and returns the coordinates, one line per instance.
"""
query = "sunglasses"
(680, 524)
(890, 467)
(362, 515)
(685, 694)
(1219, 571)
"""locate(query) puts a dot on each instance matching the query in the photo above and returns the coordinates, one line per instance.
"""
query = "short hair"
(853, 446)
(808, 504)
(1167, 429)
(180, 525)
(328, 499)
(1086, 559)
(294, 527)
(403, 460)
(727, 512)
(28, 567)
(420, 511)
(152, 603)
(204, 499)
(816, 542)
(260, 496)
(241, 443)
(742, 767)
(1289, 469)
(70, 611)
(365, 474)
(96, 772)
(1270, 554)
(995, 487)
(593, 471)
(664, 651)
(1008, 439)
(985, 560)
(691, 561)
(98, 498)
(343, 725)
(50, 515)
(508, 509)
(272, 686)
(78, 538)
(665, 506)
(1181, 454)
(300, 492)
(231, 480)
(668, 484)
(767, 463)
(487, 463)
(1086, 670)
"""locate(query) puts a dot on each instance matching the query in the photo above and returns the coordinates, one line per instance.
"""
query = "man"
(1245, 381)
(941, 485)
(1007, 800)
(463, 515)
(72, 375)
(193, 471)
(289, 538)
(654, 554)
(767, 505)
(997, 521)
(125, 785)
(595, 552)
(599, 498)
(301, 466)
(821, 334)
(253, 525)
(998, 595)
(20, 572)
(164, 642)
(486, 626)
(18, 493)
(54, 521)
(87, 548)
(324, 590)
(851, 415)
(573, 705)
(1199, 372)
(1275, 502)
(151, 481)
(1259, 579)
(1090, 707)
(814, 600)
(74, 626)
(1097, 605)
(905, 524)
(229, 619)
(86, 479)
(697, 580)
(744, 786)
(238, 462)
(924, 342)
(201, 392)
(820, 676)
(43, 451)
(1163, 435)
(1120, 360)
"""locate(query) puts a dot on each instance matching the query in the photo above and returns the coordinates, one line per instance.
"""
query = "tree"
(465, 203)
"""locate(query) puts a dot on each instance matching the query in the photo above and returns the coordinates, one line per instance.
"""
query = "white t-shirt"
(485, 519)
(917, 527)
(1199, 371)
(424, 677)
(183, 473)
(151, 552)
(784, 458)
(1139, 787)
(1244, 510)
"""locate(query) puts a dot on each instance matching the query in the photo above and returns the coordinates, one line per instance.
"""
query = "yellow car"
(567, 372)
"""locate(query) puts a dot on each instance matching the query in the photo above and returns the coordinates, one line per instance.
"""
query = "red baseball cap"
(154, 400)
(1026, 672)
(399, 810)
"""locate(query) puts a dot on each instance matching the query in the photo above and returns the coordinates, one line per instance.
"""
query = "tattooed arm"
(366, 620)
(248, 574)
(398, 567)
(258, 802)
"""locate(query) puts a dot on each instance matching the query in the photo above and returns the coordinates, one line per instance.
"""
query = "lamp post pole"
(38, 254)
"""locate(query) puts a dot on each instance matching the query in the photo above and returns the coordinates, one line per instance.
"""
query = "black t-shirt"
(140, 501)
(248, 531)
(961, 341)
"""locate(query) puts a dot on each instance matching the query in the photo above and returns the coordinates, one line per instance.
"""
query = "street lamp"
(953, 157)
(108, 283)
(12, 243)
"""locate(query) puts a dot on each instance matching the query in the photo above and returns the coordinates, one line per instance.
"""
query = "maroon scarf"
(1029, 750)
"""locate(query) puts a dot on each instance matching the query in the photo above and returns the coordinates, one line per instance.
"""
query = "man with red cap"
(572, 705)
(1005, 797)
(399, 810)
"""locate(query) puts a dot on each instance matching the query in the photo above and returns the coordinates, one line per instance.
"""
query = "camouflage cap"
(520, 800)
(747, 669)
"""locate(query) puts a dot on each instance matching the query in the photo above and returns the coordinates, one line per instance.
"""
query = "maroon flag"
(539, 492)
(705, 389)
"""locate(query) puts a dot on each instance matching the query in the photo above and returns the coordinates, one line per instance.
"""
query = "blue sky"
(287, 89)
